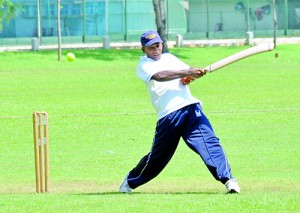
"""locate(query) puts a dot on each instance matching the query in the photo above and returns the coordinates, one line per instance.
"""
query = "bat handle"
(208, 68)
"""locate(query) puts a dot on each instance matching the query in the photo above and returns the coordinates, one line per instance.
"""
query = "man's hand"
(193, 73)
(187, 80)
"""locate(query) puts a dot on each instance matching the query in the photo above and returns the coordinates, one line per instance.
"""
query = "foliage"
(7, 11)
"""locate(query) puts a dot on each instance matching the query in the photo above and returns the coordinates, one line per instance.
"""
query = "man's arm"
(168, 75)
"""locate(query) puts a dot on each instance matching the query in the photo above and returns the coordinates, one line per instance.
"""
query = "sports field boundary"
(136, 45)
(153, 113)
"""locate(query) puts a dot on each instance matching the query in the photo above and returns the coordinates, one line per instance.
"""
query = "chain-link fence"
(124, 20)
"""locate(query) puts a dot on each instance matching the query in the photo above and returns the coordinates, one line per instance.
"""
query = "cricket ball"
(70, 57)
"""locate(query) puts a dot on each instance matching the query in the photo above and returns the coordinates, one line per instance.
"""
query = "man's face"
(153, 51)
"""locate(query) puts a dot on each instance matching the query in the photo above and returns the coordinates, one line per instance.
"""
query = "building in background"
(125, 20)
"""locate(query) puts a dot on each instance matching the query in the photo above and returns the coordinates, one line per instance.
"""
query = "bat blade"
(264, 47)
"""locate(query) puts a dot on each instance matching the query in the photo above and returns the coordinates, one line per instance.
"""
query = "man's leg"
(165, 142)
(200, 137)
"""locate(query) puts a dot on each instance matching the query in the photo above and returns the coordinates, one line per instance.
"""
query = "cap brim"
(153, 41)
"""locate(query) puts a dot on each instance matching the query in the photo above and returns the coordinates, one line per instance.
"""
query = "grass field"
(101, 123)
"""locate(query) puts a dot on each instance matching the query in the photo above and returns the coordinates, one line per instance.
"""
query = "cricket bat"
(264, 47)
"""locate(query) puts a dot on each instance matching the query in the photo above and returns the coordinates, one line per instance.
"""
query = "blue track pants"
(191, 124)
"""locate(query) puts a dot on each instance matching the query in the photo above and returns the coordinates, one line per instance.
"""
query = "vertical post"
(275, 23)
(106, 17)
(41, 151)
(36, 153)
(286, 17)
(58, 30)
(46, 145)
(167, 24)
(248, 16)
(49, 22)
(207, 19)
(38, 20)
(125, 16)
(83, 21)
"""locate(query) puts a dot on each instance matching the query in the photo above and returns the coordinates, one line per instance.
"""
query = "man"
(180, 115)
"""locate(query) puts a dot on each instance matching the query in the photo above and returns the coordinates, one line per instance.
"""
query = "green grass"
(101, 123)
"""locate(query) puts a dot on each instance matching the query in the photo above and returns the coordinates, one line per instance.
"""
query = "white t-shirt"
(167, 96)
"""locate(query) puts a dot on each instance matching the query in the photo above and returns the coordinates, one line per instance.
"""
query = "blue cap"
(150, 37)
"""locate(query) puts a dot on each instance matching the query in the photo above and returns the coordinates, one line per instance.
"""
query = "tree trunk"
(160, 19)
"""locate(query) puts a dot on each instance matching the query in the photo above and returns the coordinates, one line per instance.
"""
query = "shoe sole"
(232, 191)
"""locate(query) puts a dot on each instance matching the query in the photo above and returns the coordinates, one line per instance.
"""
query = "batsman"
(180, 115)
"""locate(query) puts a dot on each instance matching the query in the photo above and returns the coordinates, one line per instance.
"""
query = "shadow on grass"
(108, 54)
(150, 193)
(116, 54)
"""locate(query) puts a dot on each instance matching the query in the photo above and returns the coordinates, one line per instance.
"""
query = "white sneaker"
(125, 188)
(232, 186)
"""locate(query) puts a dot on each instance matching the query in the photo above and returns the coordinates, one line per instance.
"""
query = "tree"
(7, 11)
(160, 19)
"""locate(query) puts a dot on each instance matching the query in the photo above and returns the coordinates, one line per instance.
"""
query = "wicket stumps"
(41, 151)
